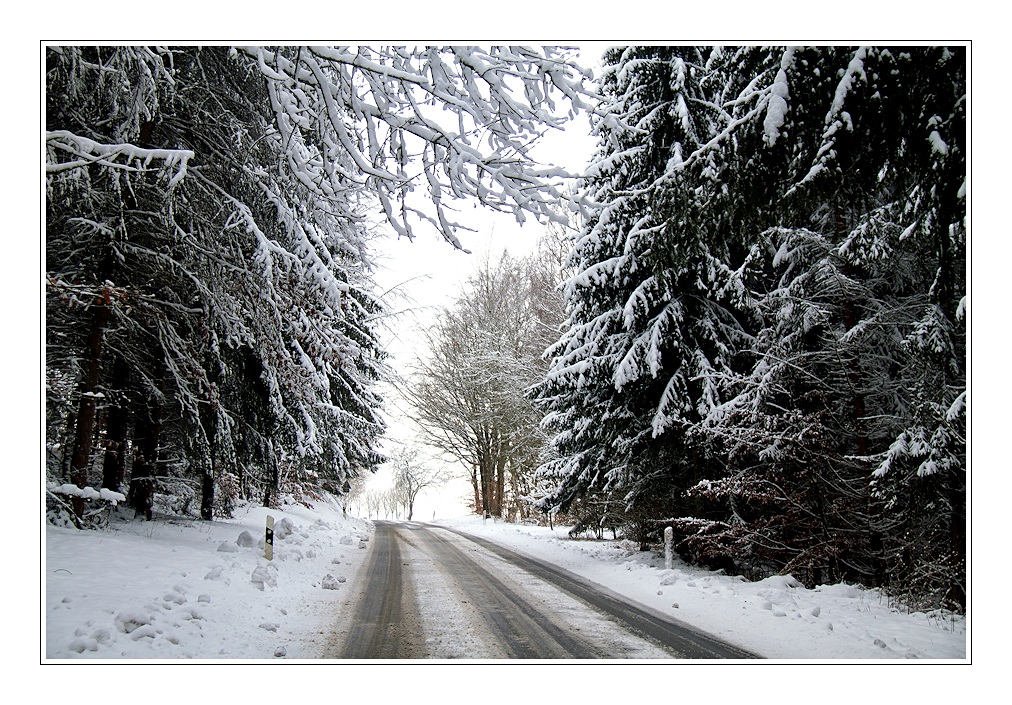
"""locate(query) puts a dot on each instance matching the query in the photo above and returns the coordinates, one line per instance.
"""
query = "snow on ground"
(777, 618)
(175, 589)
(186, 589)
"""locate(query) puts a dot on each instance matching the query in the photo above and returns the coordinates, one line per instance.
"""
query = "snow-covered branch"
(134, 158)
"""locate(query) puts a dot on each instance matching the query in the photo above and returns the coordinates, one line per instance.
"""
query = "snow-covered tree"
(207, 241)
(769, 309)
(634, 307)
(412, 474)
(426, 129)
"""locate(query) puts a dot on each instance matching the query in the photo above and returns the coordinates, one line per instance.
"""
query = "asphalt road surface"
(434, 593)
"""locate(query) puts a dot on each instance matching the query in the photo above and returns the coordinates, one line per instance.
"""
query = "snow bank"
(777, 618)
(182, 589)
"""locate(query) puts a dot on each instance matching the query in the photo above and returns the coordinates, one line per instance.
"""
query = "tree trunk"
(114, 463)
(209, 423)
(487, 473)
(207, 495)
(69, 433)
(957, 532)
(142, 478)
(272, 484)
(87, 407)
(477, 490)
(500, 481)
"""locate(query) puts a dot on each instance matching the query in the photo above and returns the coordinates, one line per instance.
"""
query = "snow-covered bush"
(99, 504)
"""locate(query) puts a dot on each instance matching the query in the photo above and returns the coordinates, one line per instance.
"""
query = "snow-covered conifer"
(769, 309)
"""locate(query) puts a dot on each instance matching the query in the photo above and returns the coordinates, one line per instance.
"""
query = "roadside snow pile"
(187, 589)
(777, 617)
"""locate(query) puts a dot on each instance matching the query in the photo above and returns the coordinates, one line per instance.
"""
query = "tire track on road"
(682, 639)
(385, 621)
(526, 632)
(514, 606)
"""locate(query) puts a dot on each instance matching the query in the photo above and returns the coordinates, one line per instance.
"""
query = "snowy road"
(434, 593)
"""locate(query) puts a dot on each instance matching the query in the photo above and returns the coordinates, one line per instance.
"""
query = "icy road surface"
(434, 593)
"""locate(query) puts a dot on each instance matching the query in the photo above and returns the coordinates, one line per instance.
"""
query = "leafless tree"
(470, 395)
(412, 474)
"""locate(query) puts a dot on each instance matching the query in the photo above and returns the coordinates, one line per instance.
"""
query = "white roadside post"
(269, 538)
(669, 535)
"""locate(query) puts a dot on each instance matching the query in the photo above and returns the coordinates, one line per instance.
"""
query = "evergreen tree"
(769, 310)
(634, 307)
(231, 280)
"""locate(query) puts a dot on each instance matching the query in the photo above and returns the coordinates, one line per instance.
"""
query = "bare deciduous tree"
(470, 395)
(412, 474)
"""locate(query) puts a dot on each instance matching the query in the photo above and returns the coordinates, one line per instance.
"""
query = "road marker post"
(269, 539)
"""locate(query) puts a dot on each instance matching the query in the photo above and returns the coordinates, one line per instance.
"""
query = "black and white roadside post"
(269, 539)
(669, 535)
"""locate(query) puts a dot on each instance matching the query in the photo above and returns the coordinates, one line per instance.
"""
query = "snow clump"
(264, 575)
(331, 583)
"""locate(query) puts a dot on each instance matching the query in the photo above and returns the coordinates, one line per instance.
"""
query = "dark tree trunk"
(207, 495)
(209, 423)
(114, 463)
(272, 484)
(477, 490)
(500, 482)
(487, 474)
(87, 407)
(145, 463)
(68, 443)
(957, 532)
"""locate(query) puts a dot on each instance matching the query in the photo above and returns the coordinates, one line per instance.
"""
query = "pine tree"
(203, 290)
(768, 310)
(640, 329)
